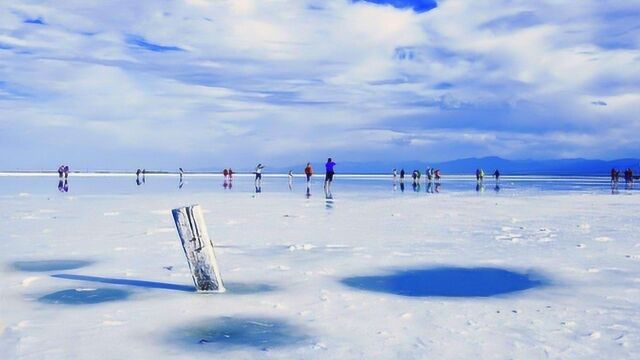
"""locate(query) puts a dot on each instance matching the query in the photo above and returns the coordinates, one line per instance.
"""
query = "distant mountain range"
(489, 164)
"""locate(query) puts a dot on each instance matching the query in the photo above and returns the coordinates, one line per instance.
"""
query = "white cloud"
(282, 79)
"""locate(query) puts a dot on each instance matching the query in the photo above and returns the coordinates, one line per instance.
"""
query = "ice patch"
(603, 239)
(305, 247)
(112, 323)
(26, 282)
(584, 227)
(595, 335)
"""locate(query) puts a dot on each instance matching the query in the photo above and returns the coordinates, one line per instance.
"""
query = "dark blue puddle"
(84, 296)
(448, 282)
(50, 265)
(247, 289)
(232, 288)
(237, 332)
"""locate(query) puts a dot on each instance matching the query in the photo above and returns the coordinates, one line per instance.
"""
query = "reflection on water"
(63, 186)
(328, 196)
(378, 186)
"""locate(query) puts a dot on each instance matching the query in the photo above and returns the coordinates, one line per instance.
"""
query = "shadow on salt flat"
(448, 282)
(129, 282)
(237, 332)
(50, 265)
(84, 296)
(232, 287)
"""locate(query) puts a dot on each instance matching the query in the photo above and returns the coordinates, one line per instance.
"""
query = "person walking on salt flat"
(290, 179)
(308, 171)
(328, 178)
(258, 173)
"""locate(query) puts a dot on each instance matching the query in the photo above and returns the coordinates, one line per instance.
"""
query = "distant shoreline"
(388, 176)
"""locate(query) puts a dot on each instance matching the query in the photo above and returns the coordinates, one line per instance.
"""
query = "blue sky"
(198, 83)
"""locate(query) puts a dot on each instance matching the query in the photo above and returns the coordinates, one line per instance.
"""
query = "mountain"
(576, 166)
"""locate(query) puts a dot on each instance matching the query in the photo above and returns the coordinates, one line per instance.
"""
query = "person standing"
(328, 178)
(230, 175)
(290, 179)
(258, 173)
(308, 171)
(395, 175)
(60, 172)
(401, 175)
(225, 173)
(496, 174)
(66, 171)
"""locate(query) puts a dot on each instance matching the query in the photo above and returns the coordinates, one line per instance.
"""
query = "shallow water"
(236, 332)
(448, 282)
(360, 185)
(84, 296)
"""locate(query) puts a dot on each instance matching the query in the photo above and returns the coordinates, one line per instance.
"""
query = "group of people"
(480, 175)
(228, 174)
(615, 178)
(63, 171)
(308, 171)
(431, 173)
(141, 180)
(615, 175)
(63, 176)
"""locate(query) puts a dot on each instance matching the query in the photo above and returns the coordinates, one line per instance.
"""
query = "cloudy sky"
(198, 83)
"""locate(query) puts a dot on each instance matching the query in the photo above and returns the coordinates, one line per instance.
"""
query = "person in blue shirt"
(328, 177)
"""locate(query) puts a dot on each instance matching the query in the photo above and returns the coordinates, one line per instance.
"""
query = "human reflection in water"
(328, 196)
(63, 185)
(479, 186)
(416, 186)
(437, 188)
(614, 188)
(180, 183)
(496, 188)
(429, 188)
(225, 184)
(308, 195)
(258, 188)
(401, 185)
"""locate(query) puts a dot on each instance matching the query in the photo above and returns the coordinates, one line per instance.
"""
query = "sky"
(218, 83)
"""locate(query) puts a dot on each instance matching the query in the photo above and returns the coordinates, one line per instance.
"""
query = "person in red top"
(308, 171)
(225, 172)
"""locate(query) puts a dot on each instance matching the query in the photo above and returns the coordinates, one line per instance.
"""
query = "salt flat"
(415, 275)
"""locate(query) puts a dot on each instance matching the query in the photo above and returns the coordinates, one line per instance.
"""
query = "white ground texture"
(586, 245)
